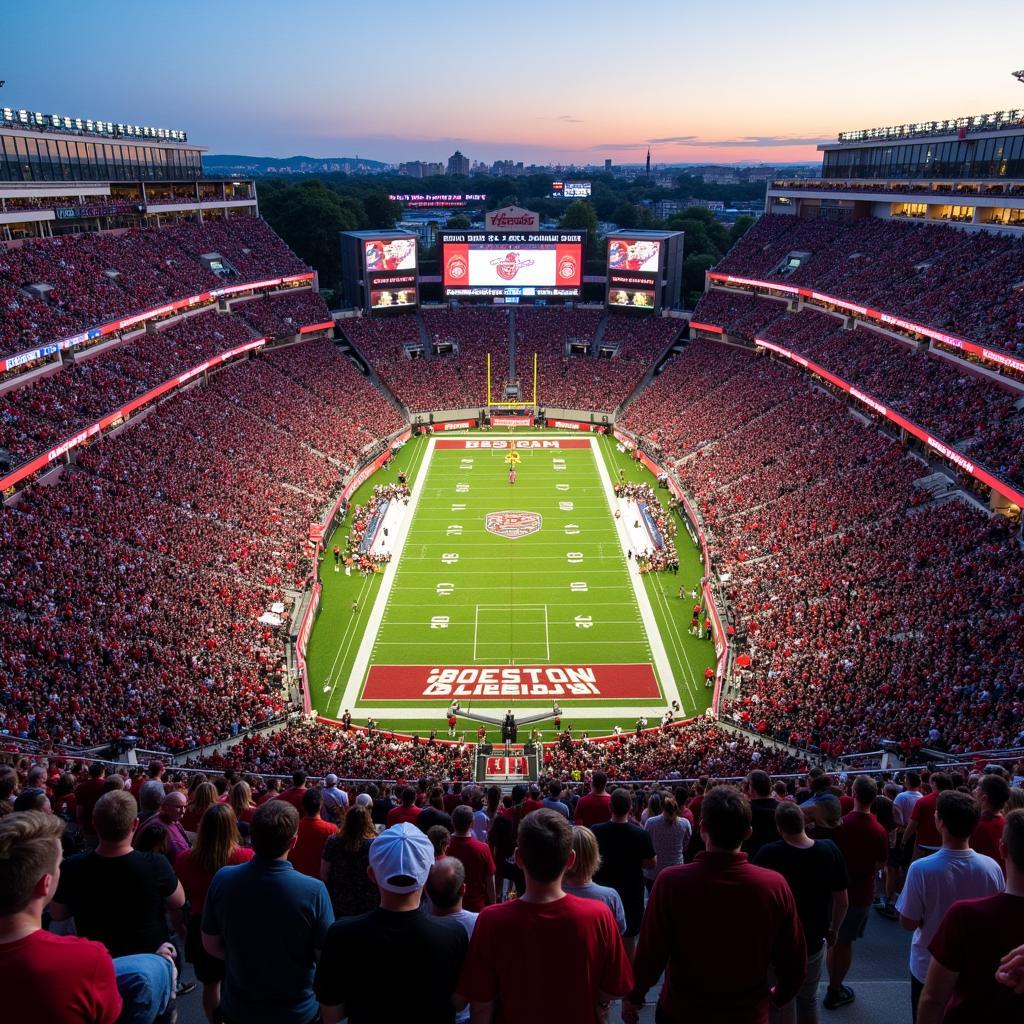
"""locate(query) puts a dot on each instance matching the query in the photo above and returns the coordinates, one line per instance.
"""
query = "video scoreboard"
(570, 190)
(380, 270)
(512, 267)
(644, 270)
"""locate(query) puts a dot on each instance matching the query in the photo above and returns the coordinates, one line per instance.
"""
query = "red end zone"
(501, 682)
(466, 444)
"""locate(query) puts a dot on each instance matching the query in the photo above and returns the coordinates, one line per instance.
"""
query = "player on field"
(512, 475)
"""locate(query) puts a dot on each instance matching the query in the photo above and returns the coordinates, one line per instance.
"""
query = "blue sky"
(533, 81)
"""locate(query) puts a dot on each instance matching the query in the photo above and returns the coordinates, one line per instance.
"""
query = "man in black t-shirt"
(762, 812)
(816, 872)
(118, 896)
(626, 849)
(356, 975)
(434, 813)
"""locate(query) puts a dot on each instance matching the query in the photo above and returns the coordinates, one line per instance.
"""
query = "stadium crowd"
(281, 316)
(133, 585)
(959, 281)
(868, 615)
(331, 885)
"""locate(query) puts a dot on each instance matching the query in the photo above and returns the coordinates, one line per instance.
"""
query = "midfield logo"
(513, 524)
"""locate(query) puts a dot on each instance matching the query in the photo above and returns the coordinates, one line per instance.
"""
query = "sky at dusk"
(735, 80)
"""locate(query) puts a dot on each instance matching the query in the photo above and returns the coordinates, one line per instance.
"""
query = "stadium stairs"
(674, 347)
(428, 352)
(512, 344)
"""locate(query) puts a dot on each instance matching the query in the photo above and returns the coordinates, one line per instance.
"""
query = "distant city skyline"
(717, 84)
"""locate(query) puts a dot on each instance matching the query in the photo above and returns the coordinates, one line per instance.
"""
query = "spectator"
(864, 845)
(762, 812)
(578, 878)
(670, 836)
(168, 820)
(992, 794)
(626, 852)
(434, 813)
(217, 845)
(921, 834)
(314, 832)
(406, 811)
(116, 894)
(816, 873)
(346, 858)
(335, 800)
(204, 795)
(295, 794)
(265, 912)
(476, 859)
(44, 977)
(553, 802)
(355, 979)
(445, 889)
(718, 889)
(962, 983)
(596, 806)
(544, 926)
(934, 883)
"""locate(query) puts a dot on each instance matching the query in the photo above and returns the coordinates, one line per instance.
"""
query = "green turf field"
(538, 610)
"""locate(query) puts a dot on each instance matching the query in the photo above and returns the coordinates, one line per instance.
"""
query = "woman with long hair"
(670, 833)
(578, 880)
(344, 862)
(241, 802)
(202, 796)
(652, 809)
(217, 845)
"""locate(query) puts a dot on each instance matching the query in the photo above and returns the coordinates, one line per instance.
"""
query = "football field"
(508, 595)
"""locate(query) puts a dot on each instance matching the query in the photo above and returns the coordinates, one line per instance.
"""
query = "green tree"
(381, 212)
(739, 229)
(626, 216)
(580, 214)
(693, 276)
(460, 220)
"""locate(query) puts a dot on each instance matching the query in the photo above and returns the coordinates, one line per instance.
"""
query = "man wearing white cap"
(334, 800)
(355, 978)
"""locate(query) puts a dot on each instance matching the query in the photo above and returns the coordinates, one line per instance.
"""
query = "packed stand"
(867, 615)
(96, 278)
(281, 316)
(134, 584)
(967, 283)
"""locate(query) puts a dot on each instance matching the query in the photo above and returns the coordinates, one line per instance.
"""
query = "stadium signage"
(511, 421)
(869, 401)
(455, 425)
(498, 444)
(712, 328)
(511, 217)
(570, 425)
(501, 682)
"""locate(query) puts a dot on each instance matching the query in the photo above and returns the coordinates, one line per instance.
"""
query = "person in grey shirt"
(334, 800)
(578, 878)
(552, 802)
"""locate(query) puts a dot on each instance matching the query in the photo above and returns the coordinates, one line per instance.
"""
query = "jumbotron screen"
(512, 267)
(633, 267)
(390, 269)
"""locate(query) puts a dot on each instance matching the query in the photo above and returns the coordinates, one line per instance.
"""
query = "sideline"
(362, 663)
(661, 662)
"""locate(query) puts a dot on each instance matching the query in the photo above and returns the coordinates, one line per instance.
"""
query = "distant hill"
(233, 163)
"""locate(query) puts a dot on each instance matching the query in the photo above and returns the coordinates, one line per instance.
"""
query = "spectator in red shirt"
(993, 793)
(406, 810)
(961, 986)
(718, 889)
(864, 845)
(86, 795)
(60, 979)
(921, 833)
(295, 794)
(476, 859)
(218, 845)
(314, 832)
(596, 806)
(544, 926)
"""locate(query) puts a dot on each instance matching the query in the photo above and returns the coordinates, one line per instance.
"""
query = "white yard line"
(661, 662)
(362, 662)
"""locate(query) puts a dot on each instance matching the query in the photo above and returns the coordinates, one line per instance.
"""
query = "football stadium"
(403, 584)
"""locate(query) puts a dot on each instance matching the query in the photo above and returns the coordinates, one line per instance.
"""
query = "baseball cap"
(401, 858)
(330, 780)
